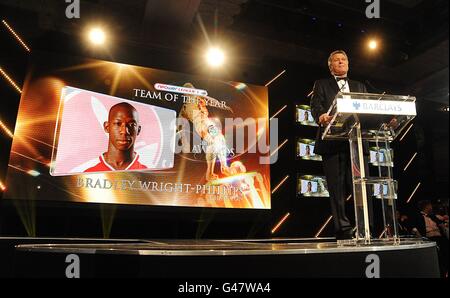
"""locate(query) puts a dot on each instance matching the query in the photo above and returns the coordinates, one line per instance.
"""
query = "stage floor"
(269, 258)
(227, 247)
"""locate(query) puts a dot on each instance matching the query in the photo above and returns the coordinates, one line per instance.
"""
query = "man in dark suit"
(335, 154)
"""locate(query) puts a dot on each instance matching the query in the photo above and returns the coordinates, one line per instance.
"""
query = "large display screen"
(102, 132)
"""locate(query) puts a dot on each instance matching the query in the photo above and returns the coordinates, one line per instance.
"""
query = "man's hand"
(324, 119)
(393, 123)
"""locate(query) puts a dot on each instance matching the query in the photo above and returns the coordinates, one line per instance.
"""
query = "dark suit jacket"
(325, 91)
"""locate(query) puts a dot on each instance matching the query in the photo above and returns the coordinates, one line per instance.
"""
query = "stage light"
(279, 147)
(279, 111)
(97, 36)
(2, 186)
(5, 75)
(215, 57)
(279, 184)
(329, 220)
(410, 161)
(6, 129)
(446, 109)
(277, 226)
(323, 227)
(373, 45)
(16, 36)
(406, 133)
(275, 78)
(413, 193)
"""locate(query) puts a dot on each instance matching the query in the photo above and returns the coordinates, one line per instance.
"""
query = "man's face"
(339, 65)
(122, 127)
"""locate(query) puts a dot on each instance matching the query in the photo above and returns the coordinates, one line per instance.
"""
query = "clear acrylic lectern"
(364, 118)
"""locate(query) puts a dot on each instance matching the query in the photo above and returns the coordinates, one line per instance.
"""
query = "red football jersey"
(103, 166)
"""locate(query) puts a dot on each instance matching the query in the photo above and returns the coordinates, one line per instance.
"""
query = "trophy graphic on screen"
(196, 112)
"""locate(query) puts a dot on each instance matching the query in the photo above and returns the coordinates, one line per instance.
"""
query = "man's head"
(122, 126)
(338, 63)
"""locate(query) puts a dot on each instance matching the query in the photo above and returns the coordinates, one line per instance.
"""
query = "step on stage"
(281, 258)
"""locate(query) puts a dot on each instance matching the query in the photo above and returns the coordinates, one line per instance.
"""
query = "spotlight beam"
(203, 28)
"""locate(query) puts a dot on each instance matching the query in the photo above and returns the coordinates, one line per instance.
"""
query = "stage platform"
(200, 259)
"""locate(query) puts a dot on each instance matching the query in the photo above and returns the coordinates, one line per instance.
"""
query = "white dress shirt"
(343, 85)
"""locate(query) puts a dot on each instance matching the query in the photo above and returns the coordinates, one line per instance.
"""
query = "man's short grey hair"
(335, 53)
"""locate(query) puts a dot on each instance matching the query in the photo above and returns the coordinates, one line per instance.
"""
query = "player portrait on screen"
(123, 128)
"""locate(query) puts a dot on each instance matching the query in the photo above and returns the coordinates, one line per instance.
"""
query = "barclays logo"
(356, 105)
